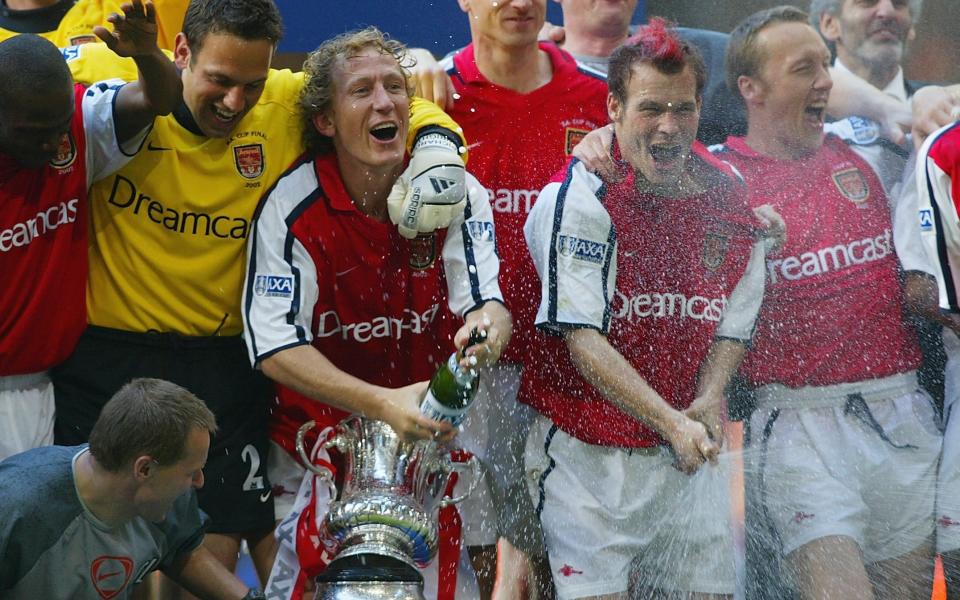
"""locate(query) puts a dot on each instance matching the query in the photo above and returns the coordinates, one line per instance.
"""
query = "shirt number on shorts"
(253, 481)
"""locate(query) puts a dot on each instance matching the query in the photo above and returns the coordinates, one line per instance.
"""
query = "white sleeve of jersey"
(470, 260)
(938, 222)
(281, 288)
(105, 154)
(906, 224)
(573, 244)
(740, 315)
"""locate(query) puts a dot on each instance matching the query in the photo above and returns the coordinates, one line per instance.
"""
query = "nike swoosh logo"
(630, 254)
(347, 271)
(473, 145)
(107, 575)
(266, 496)
(150, 146)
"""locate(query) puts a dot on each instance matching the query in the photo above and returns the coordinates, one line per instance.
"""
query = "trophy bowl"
(391, 491)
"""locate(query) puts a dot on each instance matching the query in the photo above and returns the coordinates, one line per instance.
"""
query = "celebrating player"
(523, 106)
(166, 256)
(56, 139)
(343, 311)
(847, 443)
(651, 287)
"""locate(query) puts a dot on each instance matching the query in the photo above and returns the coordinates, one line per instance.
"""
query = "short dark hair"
(147, 417)
(744, 55)
(245, 19)
(658, 45)
(319, 73)
(29, 65)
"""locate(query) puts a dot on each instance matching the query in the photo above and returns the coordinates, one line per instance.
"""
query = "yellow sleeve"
(90, 63)
(424, 113)
(169, 21)
(77, 25)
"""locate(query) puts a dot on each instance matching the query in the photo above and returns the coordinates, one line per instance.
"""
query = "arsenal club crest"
(110, 575)
(852, 184)
(66, 152)
(573, 137)
(714, 250)
(423, 251)
(249, 160)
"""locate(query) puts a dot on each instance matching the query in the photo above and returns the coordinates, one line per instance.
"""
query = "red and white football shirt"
(938, 186)
(374, 303)
(833, 306)
(43, 236)
(662, 278)
(517, 143)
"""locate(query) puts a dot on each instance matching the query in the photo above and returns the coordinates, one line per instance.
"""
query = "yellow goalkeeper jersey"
(76, 24)
(169, 229)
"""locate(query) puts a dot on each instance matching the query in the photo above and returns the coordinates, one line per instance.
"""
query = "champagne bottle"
(452, 388)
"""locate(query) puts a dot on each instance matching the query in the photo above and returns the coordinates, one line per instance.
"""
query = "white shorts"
(948, 479)
(823, 467)
(26, 413)
(286, 474)
(610, 515)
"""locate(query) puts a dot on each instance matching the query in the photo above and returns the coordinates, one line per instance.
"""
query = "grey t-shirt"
(52, 547)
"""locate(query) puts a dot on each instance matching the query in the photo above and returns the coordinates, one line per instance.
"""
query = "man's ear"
(750, 88)
(324, 125)
(613, 108)
(181, 51)
(830, 27)
(143, 467)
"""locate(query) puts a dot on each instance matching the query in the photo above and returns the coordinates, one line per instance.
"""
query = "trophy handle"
(475, 472)
(305, 457)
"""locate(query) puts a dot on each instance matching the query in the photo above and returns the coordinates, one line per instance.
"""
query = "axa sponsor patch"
(581, 249)
(482, 231)
(273, 286)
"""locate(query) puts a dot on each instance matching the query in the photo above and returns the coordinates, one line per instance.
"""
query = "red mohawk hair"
(658, 42)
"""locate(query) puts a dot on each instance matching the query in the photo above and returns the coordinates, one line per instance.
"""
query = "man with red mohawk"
(650, 286)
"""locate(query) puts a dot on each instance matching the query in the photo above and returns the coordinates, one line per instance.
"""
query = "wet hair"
(833, 7)
(147, 417)
(30, 65)
(246, 19)
(320, 74)
(654, 44)
(744, 54)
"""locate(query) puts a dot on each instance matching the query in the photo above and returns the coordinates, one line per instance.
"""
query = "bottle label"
(432, 409)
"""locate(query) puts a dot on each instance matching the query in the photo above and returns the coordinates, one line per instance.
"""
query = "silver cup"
(392, 491)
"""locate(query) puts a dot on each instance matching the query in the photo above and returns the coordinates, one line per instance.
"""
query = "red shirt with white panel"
(376, 304)
(43, 236)
(661, 278)
(833, 306)
(938, 184)
(517, 143)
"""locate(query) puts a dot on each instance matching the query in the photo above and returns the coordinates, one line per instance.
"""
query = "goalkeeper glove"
(431, 192)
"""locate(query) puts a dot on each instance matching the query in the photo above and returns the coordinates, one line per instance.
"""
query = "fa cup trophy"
(384, 519)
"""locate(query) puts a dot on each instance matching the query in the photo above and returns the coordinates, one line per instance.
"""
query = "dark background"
(440, 26)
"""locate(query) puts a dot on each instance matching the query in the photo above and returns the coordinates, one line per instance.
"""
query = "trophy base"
(369, 577)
